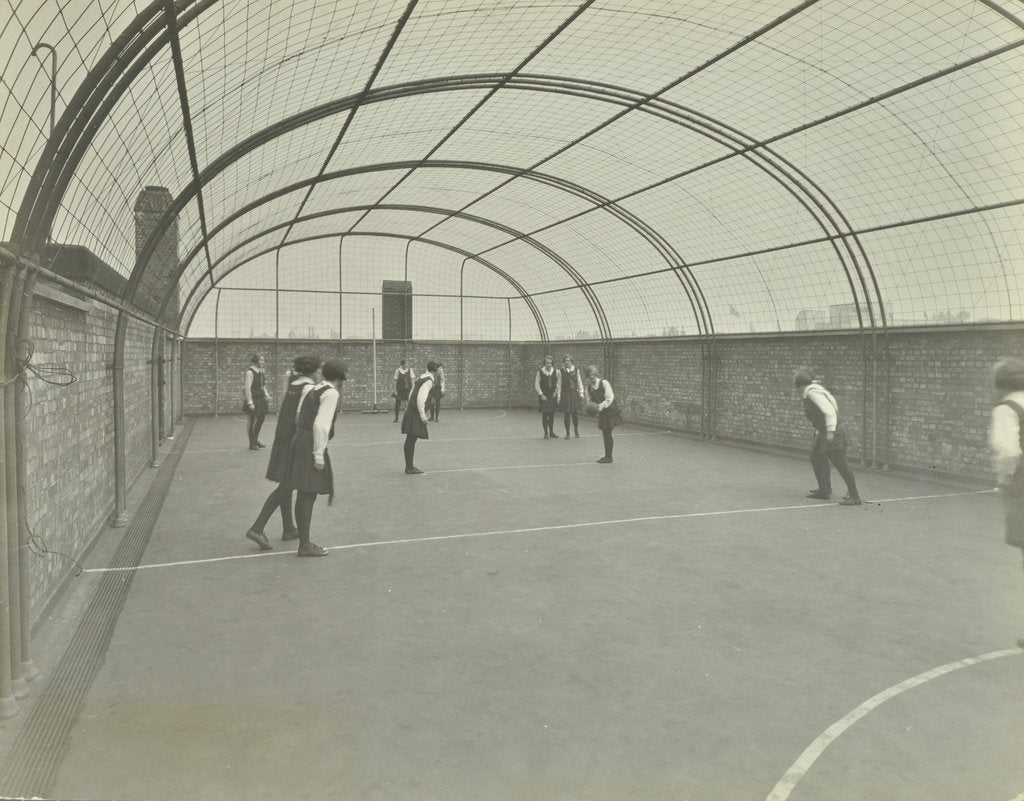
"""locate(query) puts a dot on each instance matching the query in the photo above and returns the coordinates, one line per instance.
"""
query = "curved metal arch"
(531, 304)
(589, 89)
(539, 246)
(656, 240)
(563, 263)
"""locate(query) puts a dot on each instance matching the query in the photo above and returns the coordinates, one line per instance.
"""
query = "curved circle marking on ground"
(806, 760)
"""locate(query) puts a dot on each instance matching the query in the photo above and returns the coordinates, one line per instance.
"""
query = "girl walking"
(303, 374)
(309, 469)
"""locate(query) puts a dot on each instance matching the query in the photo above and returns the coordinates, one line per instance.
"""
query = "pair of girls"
(299, 461)
(564, 389)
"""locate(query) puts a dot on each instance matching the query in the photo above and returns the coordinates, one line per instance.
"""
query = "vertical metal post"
(865, 456)
(28, 668)
(462, 339)
(216, 355)
(10, 478)
(373, 326)
(8, 703)
(341, 241)
(174, 388)
(154, 399)
(120, 484)
(509, 301)
(874, 398)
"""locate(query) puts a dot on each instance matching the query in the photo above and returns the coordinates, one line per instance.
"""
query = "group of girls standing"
(299, 461)
(564, 389)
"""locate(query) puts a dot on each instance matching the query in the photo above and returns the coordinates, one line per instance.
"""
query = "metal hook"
(53, 81)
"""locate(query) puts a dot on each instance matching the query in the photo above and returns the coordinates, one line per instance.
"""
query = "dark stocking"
(304, 514)
(410, 450)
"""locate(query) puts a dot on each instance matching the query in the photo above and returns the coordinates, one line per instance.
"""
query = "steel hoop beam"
(539, 246)
(526, 297)
(664, 249)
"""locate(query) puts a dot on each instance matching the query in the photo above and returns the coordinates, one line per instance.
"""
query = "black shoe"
(395, 420)
(605, 460)
(413, 471)
(567, 435)
(259, 538)
(254, 447)
(546, 437)
(848, 501)
(820, 496)
(291, 534)
(260, 445)
(577, 435)
(311, 549)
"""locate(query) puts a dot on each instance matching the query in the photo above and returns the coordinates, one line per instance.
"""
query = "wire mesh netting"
(601, 169)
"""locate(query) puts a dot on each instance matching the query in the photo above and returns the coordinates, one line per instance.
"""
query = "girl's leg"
(566, 421)
(398, 406)
(304, 517)
(256, 428)
(607, 432)
(544, 422)
(288, 528)
(575, 424)
(273, 501)
(410, 452)
(250, 428)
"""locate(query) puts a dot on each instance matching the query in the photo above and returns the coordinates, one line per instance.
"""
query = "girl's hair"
(567, 358)
(333, 370)
(432, 366)
(306, 365)
(550, 357)
(256, 358)
(591, 370)
(1008, 374)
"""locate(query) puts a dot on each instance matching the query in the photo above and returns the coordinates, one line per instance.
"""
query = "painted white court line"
(434, 441)
(470, 535)
(507, 467)
(807, 759)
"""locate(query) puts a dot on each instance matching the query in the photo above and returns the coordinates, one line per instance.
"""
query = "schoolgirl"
(414, 423)
(309, 470)
(548, 385)
(602, 403)
(255, 399)
(303, 374)
(1006, 439)
(403, 385)
(572, 399)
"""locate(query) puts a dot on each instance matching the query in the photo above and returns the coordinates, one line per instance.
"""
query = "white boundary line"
(807, 759)
(335, 444)
(564, 527)
(506, 467)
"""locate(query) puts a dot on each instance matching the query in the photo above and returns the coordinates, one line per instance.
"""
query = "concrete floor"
(692, 650)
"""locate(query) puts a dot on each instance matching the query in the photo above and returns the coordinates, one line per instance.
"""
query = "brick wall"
(938, 405)
(213, 372)
(69, 433)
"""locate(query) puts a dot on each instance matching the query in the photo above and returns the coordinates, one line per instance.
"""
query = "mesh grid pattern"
(729, 131)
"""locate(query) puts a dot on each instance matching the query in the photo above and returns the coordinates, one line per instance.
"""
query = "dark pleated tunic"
(301, 475)
(411, 422)
(548, 386)
(607, 418)
(259, 394)
(403, 385)
(280, 451)
(571, 401)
